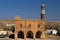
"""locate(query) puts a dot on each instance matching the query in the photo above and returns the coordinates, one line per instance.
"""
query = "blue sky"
(29, 9)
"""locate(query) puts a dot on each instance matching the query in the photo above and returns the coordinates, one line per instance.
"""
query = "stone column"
(15, 36)
(34, 36)
(25, 37)
(43, 35)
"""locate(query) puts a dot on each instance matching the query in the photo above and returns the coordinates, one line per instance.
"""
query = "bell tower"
(42, 11)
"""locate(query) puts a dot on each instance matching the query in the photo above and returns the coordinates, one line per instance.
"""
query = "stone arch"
(30, 34)
(38, 34)
(12, 36)
(21, 34)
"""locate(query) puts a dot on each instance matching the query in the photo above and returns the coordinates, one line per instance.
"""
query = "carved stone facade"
(34, 29)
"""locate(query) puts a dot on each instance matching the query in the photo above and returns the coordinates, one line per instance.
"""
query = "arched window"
(38, 34)
(30, 34)
(20, 25)
(29, 25)
(38, 25)
(20, 34)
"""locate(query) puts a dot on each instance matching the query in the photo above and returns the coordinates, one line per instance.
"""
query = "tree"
(12, 28)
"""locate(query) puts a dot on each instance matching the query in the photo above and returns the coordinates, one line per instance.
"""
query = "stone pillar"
(25, 37)
(34, 36)
(43, 35)
(15, 36)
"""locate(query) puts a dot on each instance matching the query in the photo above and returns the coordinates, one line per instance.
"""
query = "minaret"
(42, 11)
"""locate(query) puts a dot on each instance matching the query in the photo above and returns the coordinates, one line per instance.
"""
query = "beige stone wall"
(34, 27)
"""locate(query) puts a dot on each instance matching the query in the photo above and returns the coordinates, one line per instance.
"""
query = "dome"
(17, 17)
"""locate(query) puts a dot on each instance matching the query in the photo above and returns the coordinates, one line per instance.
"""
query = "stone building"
(30, 29)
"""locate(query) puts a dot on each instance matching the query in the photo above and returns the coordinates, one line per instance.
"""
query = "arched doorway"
(30, 34)
(38, 34)
(20, 34)
(12, 36)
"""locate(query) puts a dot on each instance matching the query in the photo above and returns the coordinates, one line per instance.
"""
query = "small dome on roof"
(17, 17)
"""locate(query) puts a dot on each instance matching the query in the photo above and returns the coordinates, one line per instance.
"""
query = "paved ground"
(28, 39)
(5, 39)
(50, 38)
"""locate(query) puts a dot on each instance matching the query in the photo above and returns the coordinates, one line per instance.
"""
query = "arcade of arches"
(29, 29)
(29, 34)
